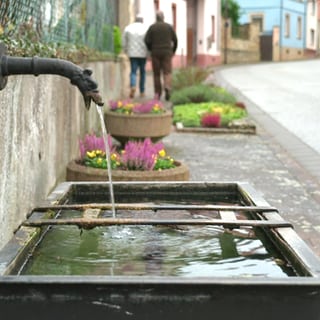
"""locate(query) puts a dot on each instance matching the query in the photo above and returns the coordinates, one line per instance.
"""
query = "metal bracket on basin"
(93, 220)
(143, 206)
(3, 80)
(98, 222)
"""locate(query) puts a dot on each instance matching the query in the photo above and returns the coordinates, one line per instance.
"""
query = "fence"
(82, 22)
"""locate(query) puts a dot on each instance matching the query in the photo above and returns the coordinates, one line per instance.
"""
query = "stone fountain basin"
(155, 297)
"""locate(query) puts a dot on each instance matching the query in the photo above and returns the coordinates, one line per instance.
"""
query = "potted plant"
(138, 160)
(127, 120)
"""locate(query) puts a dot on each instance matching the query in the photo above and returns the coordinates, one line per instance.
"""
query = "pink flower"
(128, 107)
(92, 142)
(211, 120)
(140, 155)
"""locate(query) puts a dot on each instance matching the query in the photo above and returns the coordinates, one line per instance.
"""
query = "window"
(287, 26)
(259, 20)
(299, 28)
(213, 29)
(312, 37)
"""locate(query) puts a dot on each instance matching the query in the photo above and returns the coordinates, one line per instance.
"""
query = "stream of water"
(108, 156)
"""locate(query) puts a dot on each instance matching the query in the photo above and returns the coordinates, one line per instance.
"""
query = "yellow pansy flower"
(91, 154)
(99, 152)
(162, 153)
(114, 156)
(217, 109)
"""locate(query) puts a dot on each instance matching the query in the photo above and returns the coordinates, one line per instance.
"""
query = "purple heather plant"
(140, 155)
(93, 142)
(150, 106)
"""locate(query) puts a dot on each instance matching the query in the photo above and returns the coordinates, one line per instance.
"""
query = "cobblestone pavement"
(259, 160)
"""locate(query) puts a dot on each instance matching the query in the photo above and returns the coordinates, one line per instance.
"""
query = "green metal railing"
(81, 22)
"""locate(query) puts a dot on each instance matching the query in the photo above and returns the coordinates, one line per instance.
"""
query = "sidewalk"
(258, 159)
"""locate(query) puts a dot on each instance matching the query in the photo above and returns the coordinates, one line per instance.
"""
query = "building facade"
(312, 27)
(196, 23)
(289, 27)
(203, 32)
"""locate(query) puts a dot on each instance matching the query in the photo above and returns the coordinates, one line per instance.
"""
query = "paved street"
(276, 161)
(288, 93)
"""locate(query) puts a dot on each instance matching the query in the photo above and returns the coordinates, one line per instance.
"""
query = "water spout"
(37, 66)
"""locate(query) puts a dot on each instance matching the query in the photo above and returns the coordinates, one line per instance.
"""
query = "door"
(266, 48)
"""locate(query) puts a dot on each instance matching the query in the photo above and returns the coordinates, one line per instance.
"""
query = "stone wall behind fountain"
(41, 120)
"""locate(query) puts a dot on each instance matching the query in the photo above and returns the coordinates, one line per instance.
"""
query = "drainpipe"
(226, 25)
(281, 31)
(304, 44)
(195, 50)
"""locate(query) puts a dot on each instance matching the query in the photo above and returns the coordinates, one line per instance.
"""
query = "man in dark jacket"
(161, 40)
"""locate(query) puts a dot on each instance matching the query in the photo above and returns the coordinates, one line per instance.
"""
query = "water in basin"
(206, 251)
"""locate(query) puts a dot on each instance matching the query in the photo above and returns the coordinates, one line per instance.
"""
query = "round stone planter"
(138, 126)
(77, 172)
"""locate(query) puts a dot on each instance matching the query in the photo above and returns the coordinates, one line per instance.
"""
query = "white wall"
(41, 120)
(207, 9)
(181, 20)
(312, 23)
(148, 11)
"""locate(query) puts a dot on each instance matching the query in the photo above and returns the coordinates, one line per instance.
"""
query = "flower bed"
(208, 116)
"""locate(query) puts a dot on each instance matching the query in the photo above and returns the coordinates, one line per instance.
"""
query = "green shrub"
(24, 47)
(196, 93)
(24, 41)
(222, 95)
(201, 93)
(117, 45)
(189, 76)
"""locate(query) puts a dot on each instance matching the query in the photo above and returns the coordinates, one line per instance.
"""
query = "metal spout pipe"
(37, 66)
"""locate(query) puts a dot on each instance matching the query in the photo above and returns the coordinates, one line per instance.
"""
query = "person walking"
(161, 40)
(134, 46)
